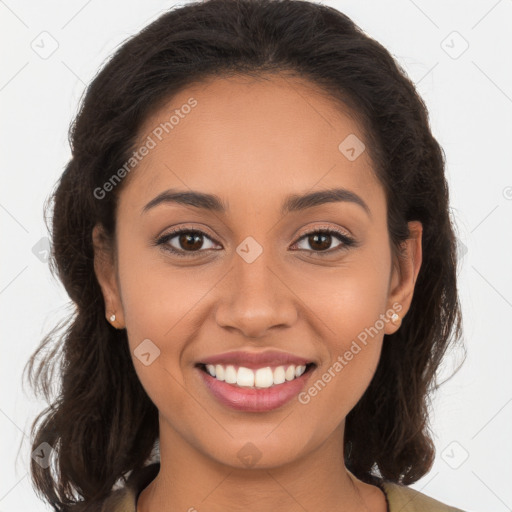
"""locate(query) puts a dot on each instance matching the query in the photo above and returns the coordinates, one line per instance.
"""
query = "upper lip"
(256, 359)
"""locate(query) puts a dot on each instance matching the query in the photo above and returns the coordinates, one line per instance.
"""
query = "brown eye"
(185, 241)
(322, 241)
(190, 241)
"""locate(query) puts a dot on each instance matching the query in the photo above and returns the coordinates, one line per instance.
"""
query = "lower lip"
(254, 399)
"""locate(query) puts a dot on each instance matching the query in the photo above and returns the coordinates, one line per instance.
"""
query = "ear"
(405, 272)
(106, 273)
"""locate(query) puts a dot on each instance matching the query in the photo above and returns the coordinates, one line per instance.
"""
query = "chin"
(258, 453)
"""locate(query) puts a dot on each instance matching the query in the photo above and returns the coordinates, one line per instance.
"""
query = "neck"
(191, 481)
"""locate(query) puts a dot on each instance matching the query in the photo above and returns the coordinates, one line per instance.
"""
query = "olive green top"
(400, 498)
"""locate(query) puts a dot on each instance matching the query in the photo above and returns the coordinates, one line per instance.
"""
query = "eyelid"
(324, 227)
(187, 228)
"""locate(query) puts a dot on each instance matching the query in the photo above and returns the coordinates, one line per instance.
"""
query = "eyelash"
(347, 241)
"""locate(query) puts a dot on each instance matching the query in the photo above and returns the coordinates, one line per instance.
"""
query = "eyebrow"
(292, 203)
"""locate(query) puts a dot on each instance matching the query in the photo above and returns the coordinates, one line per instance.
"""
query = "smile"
(255, 390)
(265, 377)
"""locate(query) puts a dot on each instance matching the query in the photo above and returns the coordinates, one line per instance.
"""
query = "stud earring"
(112, 319)
(395, 318)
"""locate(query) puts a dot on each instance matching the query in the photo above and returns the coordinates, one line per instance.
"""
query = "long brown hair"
(100, 422)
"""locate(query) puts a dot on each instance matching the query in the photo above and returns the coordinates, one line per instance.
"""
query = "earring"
(395, 318)
(112, 319)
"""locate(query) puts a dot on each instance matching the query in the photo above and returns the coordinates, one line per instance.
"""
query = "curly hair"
(98, 437)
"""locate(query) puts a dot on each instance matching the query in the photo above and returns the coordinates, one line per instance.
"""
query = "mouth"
(255, 390)
(255, 378)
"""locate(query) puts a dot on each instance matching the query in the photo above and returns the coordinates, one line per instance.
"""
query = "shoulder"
(406, 499)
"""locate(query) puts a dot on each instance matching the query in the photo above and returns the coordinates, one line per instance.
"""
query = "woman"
(254, 227)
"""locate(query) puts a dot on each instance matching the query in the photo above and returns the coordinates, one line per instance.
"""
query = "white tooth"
(279, 375)
(290, 373)
(219, 372)
(230, 374)
(299, 370)
(211, 369)
(245, 377)
(263, 378)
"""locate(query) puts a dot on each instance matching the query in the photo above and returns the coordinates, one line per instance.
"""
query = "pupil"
(191, 241)
(324, 244)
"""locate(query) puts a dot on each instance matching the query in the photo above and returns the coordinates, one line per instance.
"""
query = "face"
(315, 280)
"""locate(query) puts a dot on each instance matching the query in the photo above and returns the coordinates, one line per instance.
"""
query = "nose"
(255, 298)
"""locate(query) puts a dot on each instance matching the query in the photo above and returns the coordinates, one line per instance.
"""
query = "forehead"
(261, 136)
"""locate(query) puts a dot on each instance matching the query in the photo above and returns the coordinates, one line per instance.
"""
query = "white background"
(470, 103)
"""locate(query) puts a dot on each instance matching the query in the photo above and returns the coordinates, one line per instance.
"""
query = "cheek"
(157, 304)
(349, 298)
(158, 298)
(351, 303)
(353, 349)
(339, 385)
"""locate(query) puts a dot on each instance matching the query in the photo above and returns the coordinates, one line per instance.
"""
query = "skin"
(253, 142)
